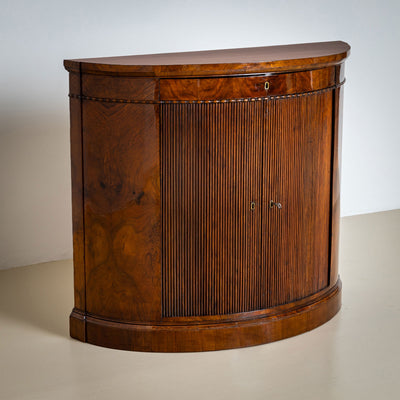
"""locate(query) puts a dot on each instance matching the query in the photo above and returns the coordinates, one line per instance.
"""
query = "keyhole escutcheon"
(273, 204)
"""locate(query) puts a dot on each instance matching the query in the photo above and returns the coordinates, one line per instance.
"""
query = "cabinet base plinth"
(211, 336)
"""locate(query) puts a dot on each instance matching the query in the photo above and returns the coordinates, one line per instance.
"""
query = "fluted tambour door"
(211, 173)
(297, 150)
(219, 255)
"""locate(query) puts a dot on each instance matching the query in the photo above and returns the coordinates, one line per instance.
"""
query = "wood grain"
(122, 211)
(246, 87)
(123, 88)
(336, 174)
(212, 172)
(78, 223)
(215, 164)
(175, 159)
(218, 62)
(296, 173)
(209, 337)
(77, 325)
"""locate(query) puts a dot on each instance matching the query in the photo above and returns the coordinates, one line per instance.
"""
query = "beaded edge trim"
(249, 99)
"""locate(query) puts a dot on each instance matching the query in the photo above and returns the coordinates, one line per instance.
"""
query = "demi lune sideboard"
(205, 195)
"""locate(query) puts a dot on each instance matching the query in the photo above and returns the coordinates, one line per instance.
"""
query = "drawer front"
(246, 87)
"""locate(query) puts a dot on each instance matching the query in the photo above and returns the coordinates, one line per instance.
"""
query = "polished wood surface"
(177, 246)
(296, 173)
(212, 166)
(122, 211)
(246, 87)
(218, 62)
(124, 88)
(217, 336)
(78, 225)
(336, 174)
(217, 159)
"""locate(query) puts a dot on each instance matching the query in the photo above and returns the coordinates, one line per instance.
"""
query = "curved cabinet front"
(205, 209)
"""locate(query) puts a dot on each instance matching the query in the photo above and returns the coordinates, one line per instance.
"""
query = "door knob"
(272, 204)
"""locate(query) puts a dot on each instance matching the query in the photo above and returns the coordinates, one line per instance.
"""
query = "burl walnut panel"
(205, 196)
(122, 211)
(246, 87)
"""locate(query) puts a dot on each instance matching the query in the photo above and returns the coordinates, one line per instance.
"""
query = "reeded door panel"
(227, 248)
(211, 169)
(296, 174)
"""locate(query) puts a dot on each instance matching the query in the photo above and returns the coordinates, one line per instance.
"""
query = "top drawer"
(246, 87)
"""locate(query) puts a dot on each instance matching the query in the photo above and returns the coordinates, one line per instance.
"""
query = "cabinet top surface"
(217, 62)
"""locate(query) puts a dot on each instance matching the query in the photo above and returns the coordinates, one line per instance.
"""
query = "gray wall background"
(35, 37)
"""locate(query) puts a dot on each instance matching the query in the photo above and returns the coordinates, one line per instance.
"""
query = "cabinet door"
(296, 174)
(211, 173)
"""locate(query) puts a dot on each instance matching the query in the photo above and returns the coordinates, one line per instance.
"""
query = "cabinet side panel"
(77, 191)
(211, 173)
(336, 173)
(122, 210)
(297, 166)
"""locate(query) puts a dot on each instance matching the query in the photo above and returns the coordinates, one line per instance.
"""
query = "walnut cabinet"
(205, 191)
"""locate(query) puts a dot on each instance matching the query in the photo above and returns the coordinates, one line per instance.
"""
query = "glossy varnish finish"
(296, 173)
(251, 60)
(174, 165)
(212, 172)
(246, 87)
(122, 211)
(120, 88)
(336, 173)
(207, 336)
(222, 257)
(77, 324)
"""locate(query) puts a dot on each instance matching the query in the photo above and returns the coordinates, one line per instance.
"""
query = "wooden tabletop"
(240, 61)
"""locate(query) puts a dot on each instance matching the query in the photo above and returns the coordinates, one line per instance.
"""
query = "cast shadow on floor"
(40, 295)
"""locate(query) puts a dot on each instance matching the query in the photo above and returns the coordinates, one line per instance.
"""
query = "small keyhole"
(274, 204)
(252, 206)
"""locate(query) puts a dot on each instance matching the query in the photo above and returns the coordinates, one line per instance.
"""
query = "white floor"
(354, 356)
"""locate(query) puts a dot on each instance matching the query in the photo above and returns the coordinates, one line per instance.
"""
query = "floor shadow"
(40, 295)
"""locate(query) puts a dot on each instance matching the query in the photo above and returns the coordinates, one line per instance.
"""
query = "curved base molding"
(301, 317)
